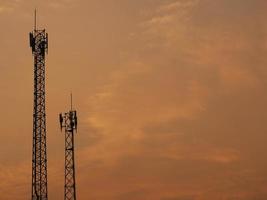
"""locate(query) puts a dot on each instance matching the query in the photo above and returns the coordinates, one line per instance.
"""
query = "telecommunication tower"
(39, 46)
(68, 121)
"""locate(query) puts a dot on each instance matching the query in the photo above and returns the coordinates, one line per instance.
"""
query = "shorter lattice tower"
(68, 121)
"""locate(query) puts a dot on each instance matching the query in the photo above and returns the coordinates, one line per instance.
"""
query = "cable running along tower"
(68, 121)
(39, 46)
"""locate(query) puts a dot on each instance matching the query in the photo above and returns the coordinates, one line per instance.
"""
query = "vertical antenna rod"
(70, 101)
(39, 46)
(68, 121)
(35, 19)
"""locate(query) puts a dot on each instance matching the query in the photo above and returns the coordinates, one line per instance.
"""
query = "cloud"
(181, 109)
(179, 198)
(14, 177)
(9, 5)
(176, 104)
(60, 4)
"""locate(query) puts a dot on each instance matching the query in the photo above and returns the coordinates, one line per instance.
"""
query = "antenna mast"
(70, 101)
(35, 19)
(39, 46)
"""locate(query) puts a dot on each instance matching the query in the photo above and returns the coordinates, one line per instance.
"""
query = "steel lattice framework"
(39, 45)
(69, 122)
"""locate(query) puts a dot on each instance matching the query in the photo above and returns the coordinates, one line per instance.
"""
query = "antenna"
(71, 101)
(35, 19)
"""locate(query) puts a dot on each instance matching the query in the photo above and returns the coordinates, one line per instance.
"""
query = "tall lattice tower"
(39, 45)
(68, 121)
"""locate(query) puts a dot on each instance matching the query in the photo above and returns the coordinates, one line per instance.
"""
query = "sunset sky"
(171, 97)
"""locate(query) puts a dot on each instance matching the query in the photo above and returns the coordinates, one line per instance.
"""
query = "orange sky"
(171, 97)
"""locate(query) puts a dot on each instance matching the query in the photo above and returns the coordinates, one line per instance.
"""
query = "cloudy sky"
(171, 97)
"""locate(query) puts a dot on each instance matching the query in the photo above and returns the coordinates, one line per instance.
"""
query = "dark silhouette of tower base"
(39, 45)
(69, 122)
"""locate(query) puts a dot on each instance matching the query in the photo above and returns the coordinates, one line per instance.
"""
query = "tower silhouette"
(39, 46)
(68, 121)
